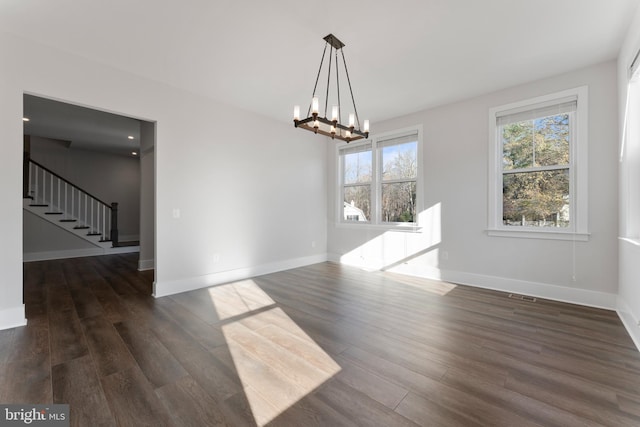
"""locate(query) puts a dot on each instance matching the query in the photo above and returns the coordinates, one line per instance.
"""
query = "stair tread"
(81, 227)
(39, 205)
(53, 213)
(68, 220)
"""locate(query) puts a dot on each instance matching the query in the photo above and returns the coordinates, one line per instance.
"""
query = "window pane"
(539, 142)
(552, 140)
(517, 145)
(400, 161)
(357, 167)
(536, 199)
(399, 202)
(357, 203)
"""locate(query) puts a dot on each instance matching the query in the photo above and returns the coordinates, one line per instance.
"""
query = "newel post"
(114, 224)
(25, 165)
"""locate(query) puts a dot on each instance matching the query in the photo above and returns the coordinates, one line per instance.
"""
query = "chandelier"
(332, 127)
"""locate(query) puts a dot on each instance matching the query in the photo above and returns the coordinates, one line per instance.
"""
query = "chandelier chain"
(338, 89)
(355, 110)
(326, 98)
(318, 77)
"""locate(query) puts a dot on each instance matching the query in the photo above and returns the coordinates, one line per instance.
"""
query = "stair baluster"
(94, 215)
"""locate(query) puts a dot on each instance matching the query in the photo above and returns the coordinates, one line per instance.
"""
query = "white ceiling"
(82, 128)
(262, 56)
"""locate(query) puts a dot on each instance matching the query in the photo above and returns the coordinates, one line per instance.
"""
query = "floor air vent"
(522, 297)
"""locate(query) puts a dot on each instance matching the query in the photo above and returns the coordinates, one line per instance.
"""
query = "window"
(538, 167)
(379, 180)
(630, 157)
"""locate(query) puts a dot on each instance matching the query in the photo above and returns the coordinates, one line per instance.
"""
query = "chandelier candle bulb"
(315, 105)
(296, 112)
(366, 126)
(352, 120)
(334, 113)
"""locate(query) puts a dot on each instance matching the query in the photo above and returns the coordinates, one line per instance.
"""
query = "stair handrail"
(70, 183)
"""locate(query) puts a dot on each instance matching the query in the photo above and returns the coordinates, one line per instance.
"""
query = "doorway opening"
(88, 183)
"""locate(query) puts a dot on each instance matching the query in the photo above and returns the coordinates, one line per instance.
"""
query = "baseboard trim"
(146, 264)
(12, 317)
(170, 287)
(77, 253)
(629, 321)
(559, 293)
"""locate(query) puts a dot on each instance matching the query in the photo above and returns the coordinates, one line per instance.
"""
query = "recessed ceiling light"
(135, 153)
(130, 137)
(25, 119)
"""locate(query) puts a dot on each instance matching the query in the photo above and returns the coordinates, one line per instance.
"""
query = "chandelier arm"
(326, 99)
(317, 78)
(332, 135)
(355, 110)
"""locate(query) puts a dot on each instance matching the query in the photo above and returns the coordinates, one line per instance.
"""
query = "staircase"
(59, 202)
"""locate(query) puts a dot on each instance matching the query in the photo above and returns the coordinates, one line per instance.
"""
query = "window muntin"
(379, 180)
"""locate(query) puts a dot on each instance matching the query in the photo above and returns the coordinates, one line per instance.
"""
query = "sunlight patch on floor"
(276, 361)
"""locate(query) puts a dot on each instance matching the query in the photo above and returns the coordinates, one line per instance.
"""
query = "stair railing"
(73, 204)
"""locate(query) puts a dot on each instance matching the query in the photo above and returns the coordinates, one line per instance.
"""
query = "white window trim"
(579, 160)
(376, 196)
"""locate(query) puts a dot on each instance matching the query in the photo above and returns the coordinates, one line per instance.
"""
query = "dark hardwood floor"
(323, 345)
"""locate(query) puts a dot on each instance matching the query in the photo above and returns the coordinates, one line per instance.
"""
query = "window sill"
(391, 227)
(540, 234)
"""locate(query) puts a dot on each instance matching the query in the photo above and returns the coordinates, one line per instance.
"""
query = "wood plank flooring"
(323, 345)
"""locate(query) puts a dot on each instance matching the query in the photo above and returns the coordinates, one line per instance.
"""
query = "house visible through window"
(378, 179)
(536, 148)
(357, 177)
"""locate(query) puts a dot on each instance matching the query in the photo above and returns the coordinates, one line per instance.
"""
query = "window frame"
(578, 169)
(375, 220)
(630, 156)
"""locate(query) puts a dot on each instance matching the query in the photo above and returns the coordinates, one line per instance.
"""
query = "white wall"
(454, 244)
(629, 242)
(234, 176)
(109, 177)
(40, 236)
